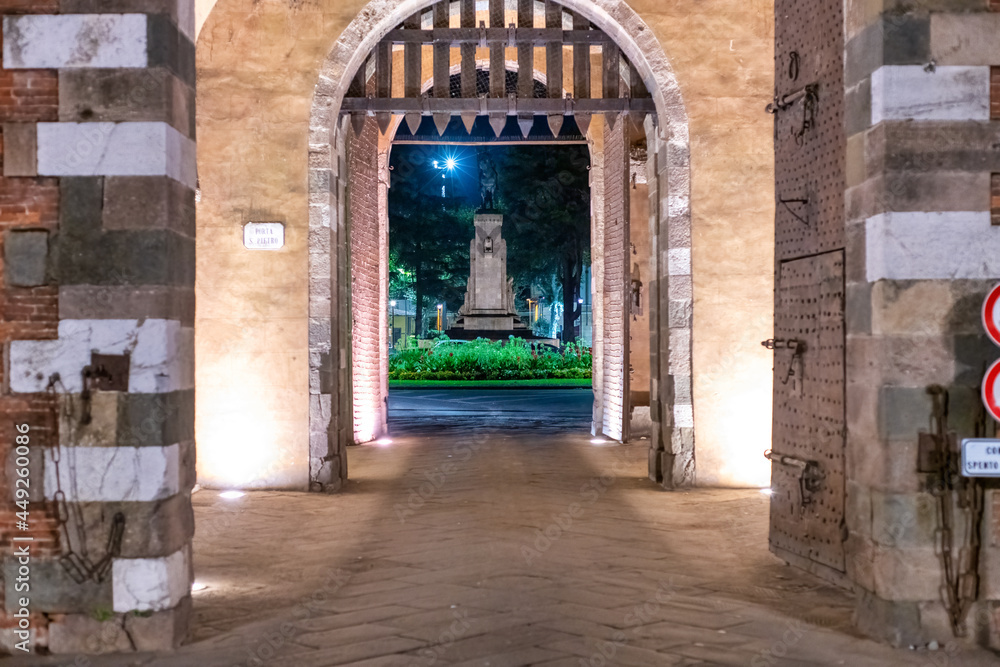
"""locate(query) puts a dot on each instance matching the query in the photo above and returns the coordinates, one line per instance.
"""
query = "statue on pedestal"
(488, 178)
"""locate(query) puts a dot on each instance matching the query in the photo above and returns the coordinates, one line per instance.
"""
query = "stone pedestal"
(489, 296)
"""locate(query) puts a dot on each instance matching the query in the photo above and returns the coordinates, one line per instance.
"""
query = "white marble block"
(932, 246)
(161, 355)
(911, 92)
(150, 584)
(43, 41)
(116, 149)
(679, 261)
(114, 474)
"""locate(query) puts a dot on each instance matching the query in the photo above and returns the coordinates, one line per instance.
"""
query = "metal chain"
(960, 589)
(78, 565)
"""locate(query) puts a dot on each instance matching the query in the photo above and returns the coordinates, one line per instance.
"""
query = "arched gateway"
(353, 116)
(115, 219)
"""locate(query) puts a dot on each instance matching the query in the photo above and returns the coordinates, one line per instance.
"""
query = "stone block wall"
(921, 253)
(671, 299)
(331, 419)
(97, 222)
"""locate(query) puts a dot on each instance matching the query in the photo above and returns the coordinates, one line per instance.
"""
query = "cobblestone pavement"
(531, 547)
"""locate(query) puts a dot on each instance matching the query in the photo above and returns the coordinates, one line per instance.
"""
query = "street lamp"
(440, 310)
(392, 325)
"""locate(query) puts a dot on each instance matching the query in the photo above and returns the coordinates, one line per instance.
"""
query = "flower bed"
(490, 360)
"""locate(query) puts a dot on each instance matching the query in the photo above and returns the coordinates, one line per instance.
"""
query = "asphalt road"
(424, 410)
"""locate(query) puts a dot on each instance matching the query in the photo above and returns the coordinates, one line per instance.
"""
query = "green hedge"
(490, 360)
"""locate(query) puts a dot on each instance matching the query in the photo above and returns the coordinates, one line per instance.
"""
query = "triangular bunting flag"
(384, 120)
(441, 121)
(526, 122)
(358, 122)
(556, 123)
(469, 119)
(498, 122)
(413, 122)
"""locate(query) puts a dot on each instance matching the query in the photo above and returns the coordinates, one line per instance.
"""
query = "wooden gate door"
(809, 424)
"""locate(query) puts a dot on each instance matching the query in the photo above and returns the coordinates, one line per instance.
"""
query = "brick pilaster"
(98, 246)
(367, 296)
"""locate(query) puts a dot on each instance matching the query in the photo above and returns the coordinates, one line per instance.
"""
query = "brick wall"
(995, 198)
(995, 92)
(615, 239)
(365, 284)
(27, 312)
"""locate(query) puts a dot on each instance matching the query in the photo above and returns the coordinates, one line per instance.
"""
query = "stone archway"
(672, 449)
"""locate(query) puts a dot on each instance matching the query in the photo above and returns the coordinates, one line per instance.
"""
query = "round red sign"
(991, 314)
(991, 390)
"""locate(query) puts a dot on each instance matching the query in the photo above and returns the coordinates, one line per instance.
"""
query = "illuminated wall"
(259, 65)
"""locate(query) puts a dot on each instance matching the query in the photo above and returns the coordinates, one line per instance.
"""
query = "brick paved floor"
(466, 547)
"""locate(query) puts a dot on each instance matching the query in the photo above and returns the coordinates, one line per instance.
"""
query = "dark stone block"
(169, 47)
(148, 202)
(155, 420)
(896, 39)
(930, 146)
(152, 529)
(25, 257)
(903, 411)
(161, 630)
(81, 204)
(155, 257)
(897, 623)
(116, 95)
(54, 591)
(863, 55)
(126, 302)
(973, 355)
(907, 39)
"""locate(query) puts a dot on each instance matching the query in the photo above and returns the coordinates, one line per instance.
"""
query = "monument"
(489, 310)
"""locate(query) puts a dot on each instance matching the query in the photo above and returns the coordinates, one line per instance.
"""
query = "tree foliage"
(546, 193)
(428, 248)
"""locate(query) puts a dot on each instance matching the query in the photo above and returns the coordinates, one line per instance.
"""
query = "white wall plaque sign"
(264, 235)
(980, 457)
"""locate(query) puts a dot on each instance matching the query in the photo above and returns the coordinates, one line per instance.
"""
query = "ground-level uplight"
(598, 441)
(767, 492)
(383, 442)
(198, 586)
(231, 495)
